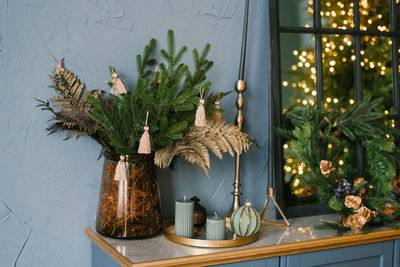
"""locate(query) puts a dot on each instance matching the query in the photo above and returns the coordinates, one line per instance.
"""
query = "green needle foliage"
(171, 95)
(322, 134)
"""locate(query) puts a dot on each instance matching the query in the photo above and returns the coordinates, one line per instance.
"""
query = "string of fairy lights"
(337, 50)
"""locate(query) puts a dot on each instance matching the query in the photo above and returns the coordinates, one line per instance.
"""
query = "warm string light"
(336, 50)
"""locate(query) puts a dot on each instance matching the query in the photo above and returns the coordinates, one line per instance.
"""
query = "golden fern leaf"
(67, 110)
(201, 151)
(233, 141)
(62, 104)
(215, 126)
(212, 145)
(222, 143)
(78, 92)
(194, 152)
(215, 136)
(60, 67)
(58, 98)
(68, 124)
(193, 158)
(71, 103)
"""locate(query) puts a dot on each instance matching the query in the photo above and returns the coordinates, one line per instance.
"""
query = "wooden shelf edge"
(238, 255)
(107, 248)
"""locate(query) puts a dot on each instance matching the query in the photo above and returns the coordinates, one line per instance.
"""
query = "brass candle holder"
(270, 194)
(240, 87)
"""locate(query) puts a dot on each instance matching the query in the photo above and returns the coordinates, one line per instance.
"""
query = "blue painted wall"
(49, 188)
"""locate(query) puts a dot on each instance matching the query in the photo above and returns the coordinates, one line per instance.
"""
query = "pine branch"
(144, 61)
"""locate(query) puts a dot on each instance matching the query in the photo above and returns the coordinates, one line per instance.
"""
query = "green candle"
(184, 212)
(215, 228)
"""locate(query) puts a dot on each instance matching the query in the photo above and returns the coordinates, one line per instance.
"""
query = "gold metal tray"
(199, 238)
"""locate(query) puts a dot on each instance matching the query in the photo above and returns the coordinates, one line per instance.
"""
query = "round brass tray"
(199, 238)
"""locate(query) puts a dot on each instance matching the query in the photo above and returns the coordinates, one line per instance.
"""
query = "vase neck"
(128, 158)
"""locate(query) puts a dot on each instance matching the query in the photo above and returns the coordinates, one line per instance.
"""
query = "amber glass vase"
(130, 208)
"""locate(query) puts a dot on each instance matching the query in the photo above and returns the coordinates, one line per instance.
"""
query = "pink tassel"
(200, 113)
(118, 87)
(120, 170)
(217, 114)
(145, 144)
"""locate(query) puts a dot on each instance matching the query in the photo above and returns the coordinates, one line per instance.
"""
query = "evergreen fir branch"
(144, 61)
(171, 96)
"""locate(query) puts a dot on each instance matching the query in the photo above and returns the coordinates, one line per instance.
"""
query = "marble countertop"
(301, 236)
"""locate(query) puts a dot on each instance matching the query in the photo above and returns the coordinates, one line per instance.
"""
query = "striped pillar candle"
(184, 212)
(215, 228)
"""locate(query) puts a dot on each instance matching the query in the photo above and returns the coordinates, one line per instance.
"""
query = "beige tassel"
(157, 69)
(144, 144)
(200, 112)
(118, 87)
(217, 114)
(120, 170)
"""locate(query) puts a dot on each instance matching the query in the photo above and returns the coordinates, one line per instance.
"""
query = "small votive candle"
(215, 228)
(184, 212)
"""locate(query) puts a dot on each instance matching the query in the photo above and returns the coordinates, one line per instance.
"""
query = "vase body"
(129, 208)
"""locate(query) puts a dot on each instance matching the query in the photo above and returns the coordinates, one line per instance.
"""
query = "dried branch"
(215, 136)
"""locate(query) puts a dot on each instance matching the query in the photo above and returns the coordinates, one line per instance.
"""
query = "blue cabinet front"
(370, 255)
(270, 262)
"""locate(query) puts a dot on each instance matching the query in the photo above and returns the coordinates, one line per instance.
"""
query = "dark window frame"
(276, 150)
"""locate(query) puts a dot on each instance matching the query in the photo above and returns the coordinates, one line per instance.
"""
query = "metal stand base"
(270, 193)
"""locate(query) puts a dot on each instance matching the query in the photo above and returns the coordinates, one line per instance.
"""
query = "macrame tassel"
(157, 69)
(200, 113)
(118, 87)
(120, 170)
(144, 144)
(217, 114)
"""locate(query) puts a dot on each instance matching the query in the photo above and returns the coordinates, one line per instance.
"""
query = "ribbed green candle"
(215, 228)
(184, 211)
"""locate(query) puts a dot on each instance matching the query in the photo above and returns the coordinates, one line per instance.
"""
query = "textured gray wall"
(49, 188)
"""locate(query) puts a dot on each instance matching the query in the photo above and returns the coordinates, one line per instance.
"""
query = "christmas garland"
(319, 137)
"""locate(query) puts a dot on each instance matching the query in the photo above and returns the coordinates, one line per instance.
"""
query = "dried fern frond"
(216, 136)
(70, 106)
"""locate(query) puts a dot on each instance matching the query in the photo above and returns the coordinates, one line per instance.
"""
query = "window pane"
(377, 76)
(296, 13)
(375, 15)
(298, 69)
(339, 88)
(398, 14)
(298, 86)
(337, 14)
(398, 52)
(338, 69)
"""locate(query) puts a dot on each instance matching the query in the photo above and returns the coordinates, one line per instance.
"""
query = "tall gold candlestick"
(240, 87)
